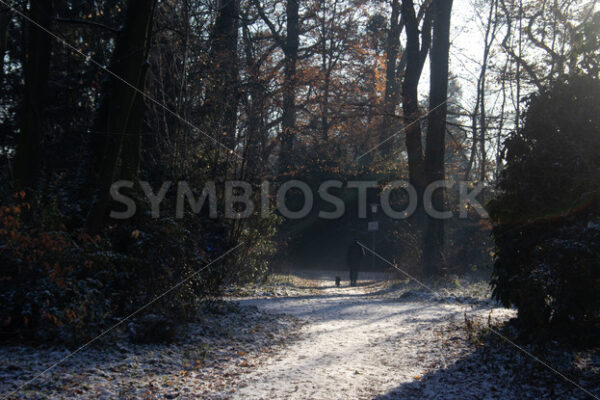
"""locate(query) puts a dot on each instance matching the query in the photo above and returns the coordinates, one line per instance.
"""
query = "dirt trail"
(375, 341)
(358, 343)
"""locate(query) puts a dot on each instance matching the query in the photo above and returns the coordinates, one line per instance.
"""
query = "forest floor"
(300, 337)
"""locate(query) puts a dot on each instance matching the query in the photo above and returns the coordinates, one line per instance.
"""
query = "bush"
(62, 284)
(52, 282)
(546, 215)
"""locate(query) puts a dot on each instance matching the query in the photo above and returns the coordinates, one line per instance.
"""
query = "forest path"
(358, 343)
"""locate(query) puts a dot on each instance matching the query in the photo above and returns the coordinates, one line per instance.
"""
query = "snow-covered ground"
(304, 338)
(378, 341)
(201, 364)
(360, 343)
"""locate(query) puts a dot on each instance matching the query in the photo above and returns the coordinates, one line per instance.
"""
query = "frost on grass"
(303, 338)
(479, 364)
(204, 359)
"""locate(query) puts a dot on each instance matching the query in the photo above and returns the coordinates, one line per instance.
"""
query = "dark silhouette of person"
(353, 260)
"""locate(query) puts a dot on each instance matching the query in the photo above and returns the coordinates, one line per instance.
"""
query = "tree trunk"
(478, 117)
(256, 134)
(289, 45)
(223, 93)
(392, 47)
(35, 71)
(490, 36)
(131, 151)
(434, 159)
(122, 109)
(475, 137)
(290, 50)
(415, 59)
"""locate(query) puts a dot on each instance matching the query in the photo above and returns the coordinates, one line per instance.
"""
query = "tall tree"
(255, 99)
(416, 50)
(35, 72)
(222, 97)
(392, 89)
(436, 134)
(478, 117)
(122, 109)
(395, 68)
(288, 123)
(289, 45)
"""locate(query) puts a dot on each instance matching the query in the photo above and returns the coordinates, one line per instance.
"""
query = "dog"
(338, 280)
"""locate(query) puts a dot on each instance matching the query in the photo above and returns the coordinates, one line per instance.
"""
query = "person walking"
(353, 260)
